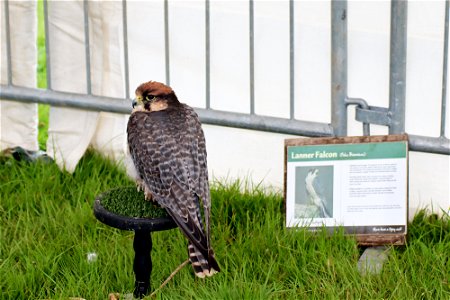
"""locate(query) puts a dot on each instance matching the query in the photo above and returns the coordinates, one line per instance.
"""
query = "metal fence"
(393, 116)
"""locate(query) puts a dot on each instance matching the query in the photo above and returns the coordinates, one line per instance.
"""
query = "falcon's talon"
(148, 197)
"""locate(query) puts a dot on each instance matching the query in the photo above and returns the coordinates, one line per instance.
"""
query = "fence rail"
(393, 116)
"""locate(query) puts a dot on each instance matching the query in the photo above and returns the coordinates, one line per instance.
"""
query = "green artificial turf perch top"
(127, 201)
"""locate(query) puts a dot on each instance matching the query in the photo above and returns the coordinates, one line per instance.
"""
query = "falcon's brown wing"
(169, 153)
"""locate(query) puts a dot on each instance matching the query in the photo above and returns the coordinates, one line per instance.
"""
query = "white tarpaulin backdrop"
(18, 121)
(72, 131)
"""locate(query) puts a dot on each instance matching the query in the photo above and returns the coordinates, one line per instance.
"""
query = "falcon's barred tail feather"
(201, 254)
(202, 267)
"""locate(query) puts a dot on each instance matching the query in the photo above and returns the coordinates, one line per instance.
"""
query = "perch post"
(126, 209)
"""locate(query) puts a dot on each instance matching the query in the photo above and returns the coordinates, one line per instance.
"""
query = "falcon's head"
(154, 96)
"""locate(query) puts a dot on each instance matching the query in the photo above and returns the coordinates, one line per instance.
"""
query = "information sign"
(359, 184)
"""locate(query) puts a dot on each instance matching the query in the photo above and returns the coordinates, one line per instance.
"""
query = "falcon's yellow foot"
(117, 296)
(140, 186)
(148, 196)
(113, 296)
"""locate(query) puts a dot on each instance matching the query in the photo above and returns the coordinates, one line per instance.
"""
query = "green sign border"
(328, 152)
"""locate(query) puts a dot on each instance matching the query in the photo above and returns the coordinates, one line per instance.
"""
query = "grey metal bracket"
(373, 115)
(368, 114)
(362, 104)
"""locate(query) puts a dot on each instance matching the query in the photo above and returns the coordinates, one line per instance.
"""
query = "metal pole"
(291, 61)
(8, 43)
(252, 58)
(264, 123)
(444, 72)
(397, 80)
(339, 67)
(207, 116)
(207, 57)
(362, 104)
(125, 49)
(166, 40)
(47, 47)
(87, 47)
(438, 145)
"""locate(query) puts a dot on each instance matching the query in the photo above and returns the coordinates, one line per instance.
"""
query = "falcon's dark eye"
(149, 97)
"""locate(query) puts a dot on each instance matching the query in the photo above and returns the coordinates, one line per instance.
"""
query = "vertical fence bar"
(8, 43)
(291, 61)
(166, 40)
(207, 58)
(397, 80)
(252, 57)
(339, 67)
(445, 72)
(125, 49)
(87, 46)
(47, 47)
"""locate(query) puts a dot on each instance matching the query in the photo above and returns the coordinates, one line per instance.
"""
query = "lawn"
(48, 230)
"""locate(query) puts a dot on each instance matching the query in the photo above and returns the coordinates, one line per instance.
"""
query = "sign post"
(359, 184)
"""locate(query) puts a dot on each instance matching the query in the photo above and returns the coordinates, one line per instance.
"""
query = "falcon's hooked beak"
(137, 101)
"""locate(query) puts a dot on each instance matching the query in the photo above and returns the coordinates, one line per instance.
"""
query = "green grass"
(48, 228)
(41, 69)
(43, 114)
(127, 201)
(43, 110)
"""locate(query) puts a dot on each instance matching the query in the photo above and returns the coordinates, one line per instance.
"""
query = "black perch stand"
(142, 243)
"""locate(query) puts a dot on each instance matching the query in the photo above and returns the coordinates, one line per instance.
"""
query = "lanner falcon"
(168, 151)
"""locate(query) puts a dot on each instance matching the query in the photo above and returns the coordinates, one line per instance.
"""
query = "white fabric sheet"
(72, 131)
(18, 121)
